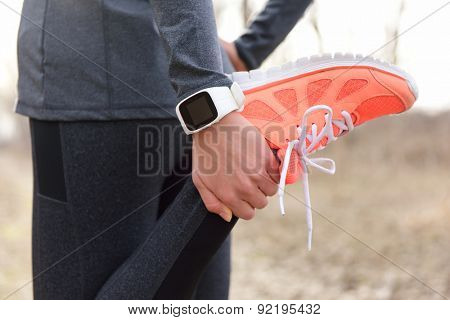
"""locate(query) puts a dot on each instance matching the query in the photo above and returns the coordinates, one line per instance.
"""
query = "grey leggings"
(116, 216)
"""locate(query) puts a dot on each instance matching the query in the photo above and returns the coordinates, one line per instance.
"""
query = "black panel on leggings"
(49, 160)
(181, 281)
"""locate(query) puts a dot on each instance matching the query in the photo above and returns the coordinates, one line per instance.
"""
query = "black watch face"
(198, 111)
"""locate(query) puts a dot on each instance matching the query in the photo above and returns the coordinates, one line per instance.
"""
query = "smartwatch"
(208, 106)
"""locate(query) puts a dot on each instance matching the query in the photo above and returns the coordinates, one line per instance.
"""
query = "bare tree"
(393, 34)
(315, 24)
(246, 11)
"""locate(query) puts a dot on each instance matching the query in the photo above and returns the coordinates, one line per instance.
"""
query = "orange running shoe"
(303, 105)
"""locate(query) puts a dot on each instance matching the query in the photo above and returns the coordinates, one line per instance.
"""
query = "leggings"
(116, 215)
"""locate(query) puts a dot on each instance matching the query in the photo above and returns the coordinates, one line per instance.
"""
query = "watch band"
(225, 100)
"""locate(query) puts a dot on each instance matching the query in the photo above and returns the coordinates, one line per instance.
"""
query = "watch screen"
(198, 111)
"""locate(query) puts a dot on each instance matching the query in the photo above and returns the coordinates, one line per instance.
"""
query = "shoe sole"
(256, 78)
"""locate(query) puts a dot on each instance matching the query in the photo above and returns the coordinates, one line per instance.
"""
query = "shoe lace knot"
(308, 143)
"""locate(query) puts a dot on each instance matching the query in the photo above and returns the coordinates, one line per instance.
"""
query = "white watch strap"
(226, 100)
(238, 95)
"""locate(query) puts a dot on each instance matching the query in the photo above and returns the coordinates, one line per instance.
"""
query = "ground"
(381, 222)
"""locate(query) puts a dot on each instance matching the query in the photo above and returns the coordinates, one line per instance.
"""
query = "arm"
(189, 34)
(268, 30)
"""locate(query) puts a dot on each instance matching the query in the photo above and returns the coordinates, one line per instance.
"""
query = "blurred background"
(382, 221)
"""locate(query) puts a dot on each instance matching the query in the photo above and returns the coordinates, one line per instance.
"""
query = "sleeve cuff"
(223, 82)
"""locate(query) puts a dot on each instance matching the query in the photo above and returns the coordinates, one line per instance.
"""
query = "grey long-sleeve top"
(129, 59)
(269, 29)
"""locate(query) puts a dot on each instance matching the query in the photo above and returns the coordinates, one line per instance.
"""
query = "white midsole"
(259, 77)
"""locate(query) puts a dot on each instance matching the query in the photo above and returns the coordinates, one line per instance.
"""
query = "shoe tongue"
(324, 140)
(336, 132)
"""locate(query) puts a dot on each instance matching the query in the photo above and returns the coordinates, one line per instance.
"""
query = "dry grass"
(391, 191)
(15, 221)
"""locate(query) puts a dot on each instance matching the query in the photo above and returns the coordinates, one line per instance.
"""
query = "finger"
(212, 203)
(250, 192)
(257, 199)
(243, 210)
(267, 185)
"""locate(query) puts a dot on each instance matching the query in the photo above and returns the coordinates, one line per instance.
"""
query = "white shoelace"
(300, 147)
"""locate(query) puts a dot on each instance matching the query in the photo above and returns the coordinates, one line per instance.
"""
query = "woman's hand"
(234, 169)
(233, 55)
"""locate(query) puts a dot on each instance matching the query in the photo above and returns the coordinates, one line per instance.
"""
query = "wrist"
(245, 55)
(233, 55)
(236, 60)
(208, 106)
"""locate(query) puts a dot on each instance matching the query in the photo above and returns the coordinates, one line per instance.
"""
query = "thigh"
(92, 207)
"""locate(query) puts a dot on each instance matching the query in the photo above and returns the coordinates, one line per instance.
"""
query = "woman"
(99, 81)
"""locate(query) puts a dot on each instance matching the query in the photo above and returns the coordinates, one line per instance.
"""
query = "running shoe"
(302, 106)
